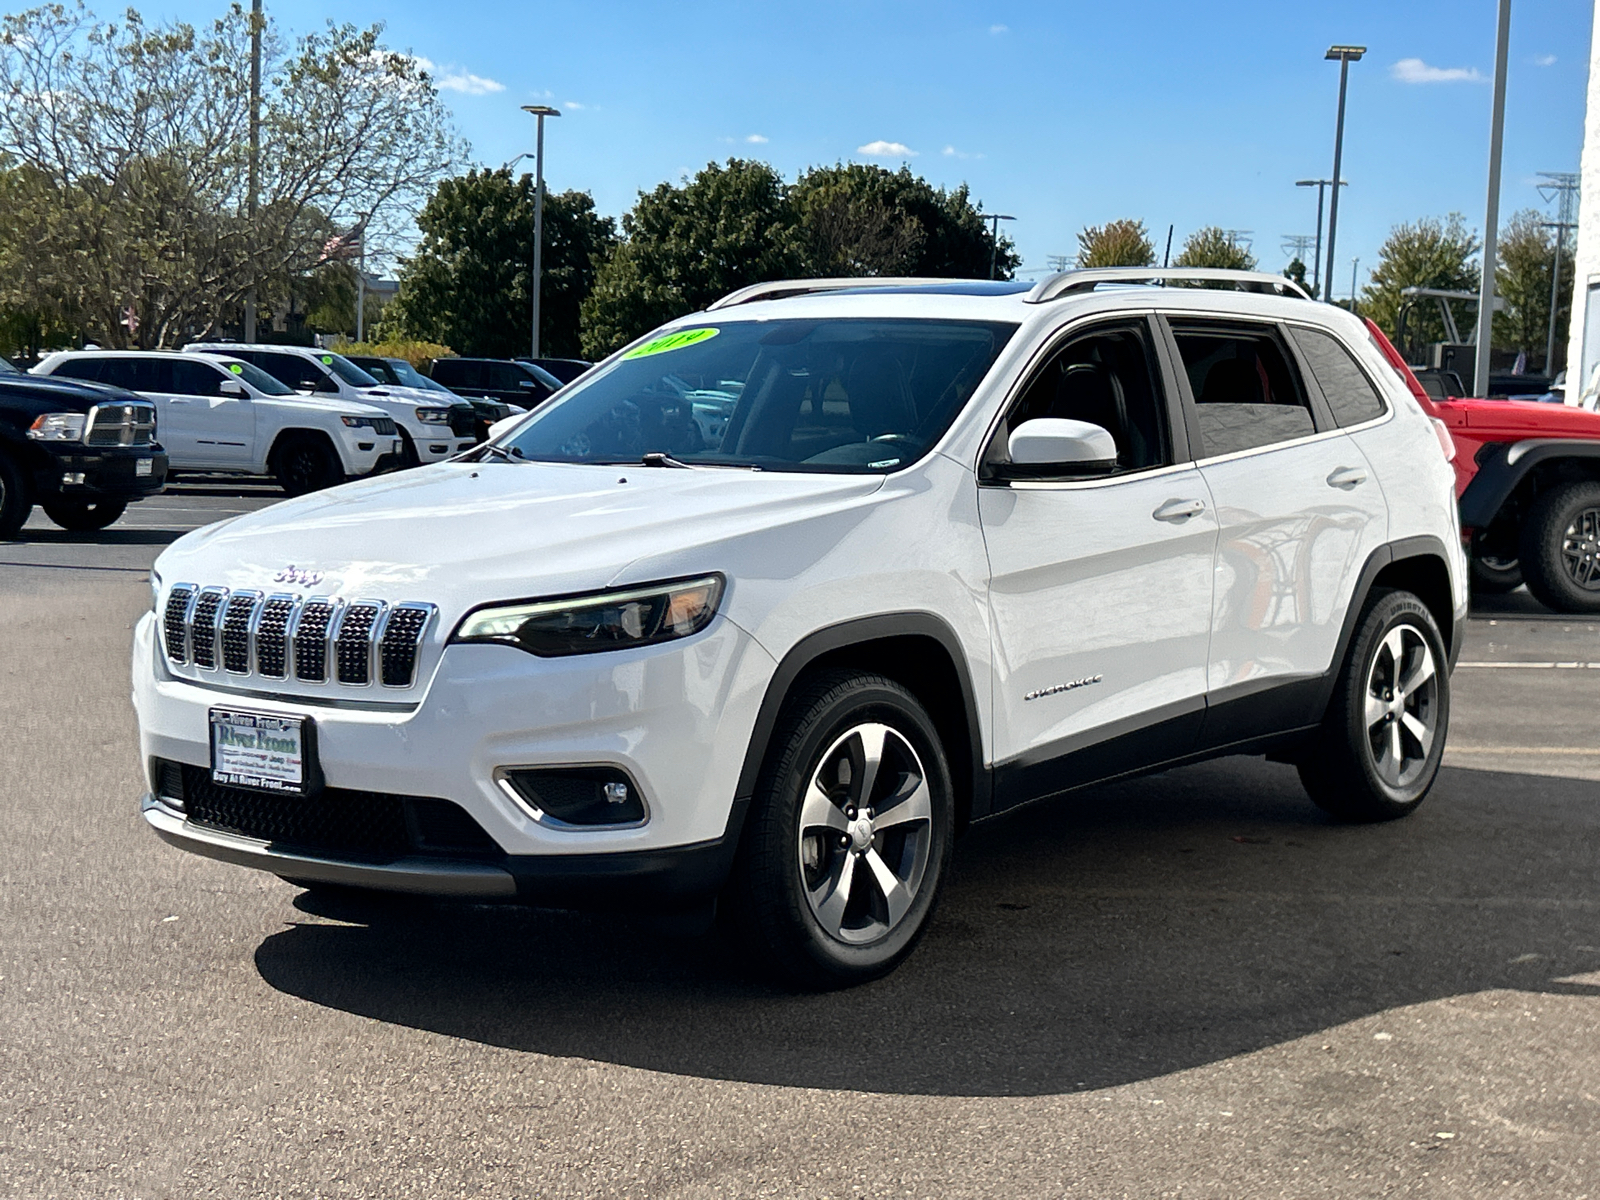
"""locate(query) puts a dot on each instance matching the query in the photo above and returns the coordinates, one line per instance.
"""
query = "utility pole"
(254, 183)
(1058, 262)
(540, 111)
(1562, 187)
(1345, 55)
(1491, 212)
(1354, 264)
(994, 237)
(1316, 254)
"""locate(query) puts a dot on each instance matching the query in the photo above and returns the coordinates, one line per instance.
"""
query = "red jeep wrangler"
(1528, 486)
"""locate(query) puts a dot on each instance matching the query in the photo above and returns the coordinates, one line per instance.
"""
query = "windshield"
(346, 370)
(257, 378)
(857, 396)
(6, 368)
(543, 376)
(408, 376)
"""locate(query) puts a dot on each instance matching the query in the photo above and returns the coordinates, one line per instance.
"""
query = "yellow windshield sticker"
(327, 360)
(672, 341)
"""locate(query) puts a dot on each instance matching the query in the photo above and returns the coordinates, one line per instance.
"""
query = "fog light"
(72, 478)
(575, 797)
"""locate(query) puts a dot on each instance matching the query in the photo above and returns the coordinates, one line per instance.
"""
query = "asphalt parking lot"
(1189, 985)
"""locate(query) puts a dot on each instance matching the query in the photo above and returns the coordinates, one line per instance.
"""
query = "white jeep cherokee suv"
(959, 546)
(219, 415)
(433, 427)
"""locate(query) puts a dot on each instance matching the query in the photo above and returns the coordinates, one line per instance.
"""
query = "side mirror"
(1057, 448)
(230, 388)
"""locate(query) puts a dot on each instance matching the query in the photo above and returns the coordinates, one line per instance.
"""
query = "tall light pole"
(254, 183)
(540, 112)
(1491, 208)
(1345, 55)
(994, 237)
(1316, 254)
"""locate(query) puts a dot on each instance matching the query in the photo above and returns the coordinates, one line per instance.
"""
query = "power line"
(1295, 245)
(1239, 239)
(1061, 262)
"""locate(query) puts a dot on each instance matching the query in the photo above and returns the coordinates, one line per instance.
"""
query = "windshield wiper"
(498, 451)
(660, 458)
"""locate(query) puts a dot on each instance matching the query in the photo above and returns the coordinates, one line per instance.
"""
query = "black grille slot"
(463, 420)
(272, 652)
(354, 647)
(169, 781)
(397, 655)
(383, 426)
(236, 631)
(338, 822)
(203, 628)
(172, 622)
(311, 641)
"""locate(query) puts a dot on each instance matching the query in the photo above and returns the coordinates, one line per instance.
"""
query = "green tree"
(1124, 243)
(1427, 253)
(1212, 247)
(738, 223)
(135, 137)
(1524, 257)
(469, 284)
(1296, 270)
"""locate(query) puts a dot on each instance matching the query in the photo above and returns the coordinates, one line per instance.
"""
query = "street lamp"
(1316, 254)
(1344, 55)
(994, 237)
(540, 112)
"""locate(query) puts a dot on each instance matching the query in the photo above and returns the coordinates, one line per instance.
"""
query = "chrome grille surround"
(354, 642)
(237, 619)
(119, 423)
(318, 640)
(175, 618)
(203, 621)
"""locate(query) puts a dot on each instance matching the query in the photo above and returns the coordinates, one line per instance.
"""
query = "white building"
(1583, 341)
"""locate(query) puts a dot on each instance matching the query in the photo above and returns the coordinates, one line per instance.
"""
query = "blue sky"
(1064, 114)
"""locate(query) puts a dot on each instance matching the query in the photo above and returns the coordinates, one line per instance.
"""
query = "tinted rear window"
(1344, 384)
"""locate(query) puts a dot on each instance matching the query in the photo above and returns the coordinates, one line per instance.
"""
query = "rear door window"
(456, 373)
(506, 377)
(1345, 386)
(1247, 393)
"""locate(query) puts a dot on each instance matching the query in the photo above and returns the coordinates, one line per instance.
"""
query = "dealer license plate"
(144, 466)
(266, 751)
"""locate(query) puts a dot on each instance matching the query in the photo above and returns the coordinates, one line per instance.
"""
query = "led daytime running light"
(641, 616)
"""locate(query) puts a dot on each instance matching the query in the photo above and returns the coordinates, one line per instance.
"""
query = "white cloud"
(999, 29)
(1414, 70)
(952, 152)
(469, 84)
(573, 105)
(883, 149)
(1545, 60)
(755, 139)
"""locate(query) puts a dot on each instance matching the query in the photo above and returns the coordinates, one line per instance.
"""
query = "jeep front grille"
(317, 639)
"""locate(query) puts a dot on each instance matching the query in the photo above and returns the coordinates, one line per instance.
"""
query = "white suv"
(432, 428)
(958, 546)
(220, 415)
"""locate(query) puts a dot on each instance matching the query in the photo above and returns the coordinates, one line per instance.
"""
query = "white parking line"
(1530, 666)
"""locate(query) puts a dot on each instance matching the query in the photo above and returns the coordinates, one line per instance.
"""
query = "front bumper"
(111, 472)
(685, 874)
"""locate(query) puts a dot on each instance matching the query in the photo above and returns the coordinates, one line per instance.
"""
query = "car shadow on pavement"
(100, 537)
(1115, 935)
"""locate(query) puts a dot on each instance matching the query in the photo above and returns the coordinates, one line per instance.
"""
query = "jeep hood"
(461, 534)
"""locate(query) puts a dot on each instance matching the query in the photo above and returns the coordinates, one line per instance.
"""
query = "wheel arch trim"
(1506, 464)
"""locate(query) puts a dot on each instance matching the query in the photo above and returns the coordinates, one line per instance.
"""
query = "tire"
(84, 516)
(807, 898)
(1561, 548)
(16, 504)
(408, 452)
(306, 463)
(1493, 575)
(1353, 771)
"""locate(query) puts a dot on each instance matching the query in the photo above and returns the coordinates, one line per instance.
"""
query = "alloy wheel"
(866, 833)
(1580, 550)
(1402, 705)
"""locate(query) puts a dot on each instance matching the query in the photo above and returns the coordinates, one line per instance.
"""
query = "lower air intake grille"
(374, 826)
(203, 627)
(174, 622)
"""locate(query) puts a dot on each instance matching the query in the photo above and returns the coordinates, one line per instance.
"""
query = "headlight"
(58, 427)
(358, 422)
(641, 616)
(434, 416)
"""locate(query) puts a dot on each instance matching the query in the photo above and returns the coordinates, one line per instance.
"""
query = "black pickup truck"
(81, 451)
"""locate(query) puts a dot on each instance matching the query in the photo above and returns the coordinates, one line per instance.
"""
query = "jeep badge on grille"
(298, 575)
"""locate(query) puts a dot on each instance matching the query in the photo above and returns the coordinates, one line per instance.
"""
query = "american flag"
(341, 246)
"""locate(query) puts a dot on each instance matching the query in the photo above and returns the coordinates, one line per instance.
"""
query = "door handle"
(1347, 477)
(1179, 510)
